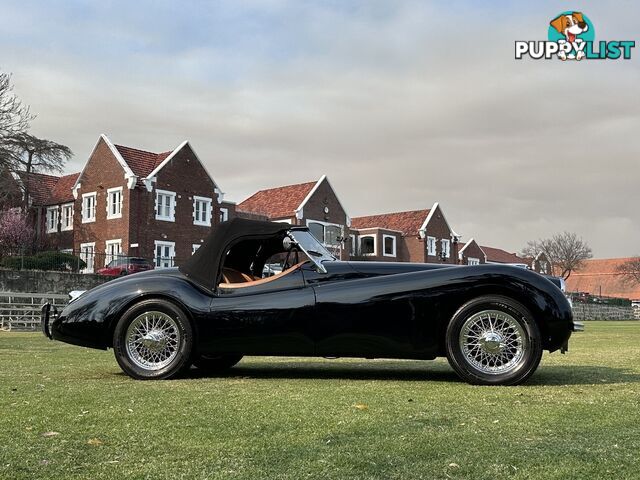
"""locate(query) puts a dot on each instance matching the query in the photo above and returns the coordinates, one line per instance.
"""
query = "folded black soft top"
(204, 265)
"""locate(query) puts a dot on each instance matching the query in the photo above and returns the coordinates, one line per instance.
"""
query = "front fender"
(91, 319)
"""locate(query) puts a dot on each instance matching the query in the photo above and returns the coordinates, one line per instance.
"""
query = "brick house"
(422, 236)
(314, 204)
(601, 277)
(471, 253)
(51, 209)
(497, 255)
(541, 264)
(138, 203)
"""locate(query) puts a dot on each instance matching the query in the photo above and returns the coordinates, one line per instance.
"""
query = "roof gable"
(141, 162)
(278, 202)
(49, 189)
(409, 222)
(497, 255)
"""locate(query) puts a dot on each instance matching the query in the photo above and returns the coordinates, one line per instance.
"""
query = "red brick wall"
(438, 228)
(324, 196)
(473, 251)
(185, 176)
(379, 234)
(102, 172)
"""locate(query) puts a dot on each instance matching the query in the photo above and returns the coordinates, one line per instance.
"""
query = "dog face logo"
(570, 25)
(571, 30)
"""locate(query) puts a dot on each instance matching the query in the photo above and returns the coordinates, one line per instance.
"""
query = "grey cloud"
(400, 107)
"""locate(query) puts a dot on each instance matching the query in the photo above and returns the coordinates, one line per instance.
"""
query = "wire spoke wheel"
(152, 340)
(493, 342)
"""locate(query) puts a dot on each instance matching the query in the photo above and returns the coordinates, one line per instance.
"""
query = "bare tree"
(630, 270)
(30, 154)
(14, 116)
(566, 252)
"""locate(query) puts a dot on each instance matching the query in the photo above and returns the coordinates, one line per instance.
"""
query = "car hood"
(391, 268)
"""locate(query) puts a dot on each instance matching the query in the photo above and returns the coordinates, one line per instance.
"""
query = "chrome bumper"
(45, 318)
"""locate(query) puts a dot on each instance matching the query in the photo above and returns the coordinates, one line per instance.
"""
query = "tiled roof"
(602, 275)
(408, 223)
(63, 191)
(277, 202)
(49, 189)
(498, 255)
(141, 162)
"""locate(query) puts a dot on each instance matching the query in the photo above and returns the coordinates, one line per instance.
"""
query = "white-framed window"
(368, 245)
(87, 255)
(165, 205)
(543, 267)
(445, 246)
(473, 261)
(52, 219)
(113, 249)
(114, 203)
(327, 233)
(352, 238)
(195, 247)
(431, 246)
(165, 253)
(88, 207)
(202, 211)
(224, 214)
(66, 220)
(389, 245)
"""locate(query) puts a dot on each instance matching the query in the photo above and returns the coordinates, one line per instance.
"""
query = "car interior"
(244, 264)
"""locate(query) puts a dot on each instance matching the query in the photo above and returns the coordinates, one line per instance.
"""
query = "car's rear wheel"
(493, 340)
(153, 340)
(216, 363)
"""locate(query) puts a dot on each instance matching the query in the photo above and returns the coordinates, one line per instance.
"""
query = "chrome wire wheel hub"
(152, 340)
(493, 342)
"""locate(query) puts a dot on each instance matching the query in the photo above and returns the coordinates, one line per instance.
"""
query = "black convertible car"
(492, 322)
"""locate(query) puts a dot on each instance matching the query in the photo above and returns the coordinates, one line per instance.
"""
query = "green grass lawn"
(290, 418)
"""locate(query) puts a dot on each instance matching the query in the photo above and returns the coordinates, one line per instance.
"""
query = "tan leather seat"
(232, 276)
(260, 281)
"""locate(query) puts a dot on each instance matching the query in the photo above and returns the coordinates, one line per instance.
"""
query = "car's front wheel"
(493, 340)
(216, 363)
(153, 340)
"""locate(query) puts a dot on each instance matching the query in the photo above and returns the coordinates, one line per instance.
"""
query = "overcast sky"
(401, 104)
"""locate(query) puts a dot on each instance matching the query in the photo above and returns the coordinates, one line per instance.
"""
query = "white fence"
(21, 311)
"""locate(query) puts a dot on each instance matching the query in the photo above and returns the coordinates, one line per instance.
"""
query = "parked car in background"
(125, 265)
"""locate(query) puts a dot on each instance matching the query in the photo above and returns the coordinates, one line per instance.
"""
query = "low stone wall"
(28, 281)
(586, 311)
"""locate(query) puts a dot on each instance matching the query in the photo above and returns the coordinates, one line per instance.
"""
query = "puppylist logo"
(571, 36)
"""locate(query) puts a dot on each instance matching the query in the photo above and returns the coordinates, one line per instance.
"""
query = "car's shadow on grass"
(545, 375)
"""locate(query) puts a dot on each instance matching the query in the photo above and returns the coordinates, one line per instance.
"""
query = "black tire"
(505, 354)
(216, 363)
(180, 333)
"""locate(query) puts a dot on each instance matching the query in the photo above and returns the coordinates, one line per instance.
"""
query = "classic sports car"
(491, 321)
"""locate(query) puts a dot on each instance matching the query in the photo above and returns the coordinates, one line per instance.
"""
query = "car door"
(272, 318)
(368, 317)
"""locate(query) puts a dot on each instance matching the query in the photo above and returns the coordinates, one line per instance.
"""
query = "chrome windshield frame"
(312, 248)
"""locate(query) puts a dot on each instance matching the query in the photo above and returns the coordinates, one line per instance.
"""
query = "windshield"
(314, 249)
